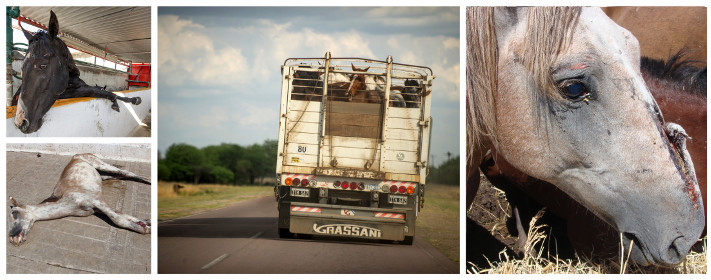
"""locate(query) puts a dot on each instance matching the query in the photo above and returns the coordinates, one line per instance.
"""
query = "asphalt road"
(243, 239)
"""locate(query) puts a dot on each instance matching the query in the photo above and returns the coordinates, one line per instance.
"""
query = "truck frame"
(347, 165)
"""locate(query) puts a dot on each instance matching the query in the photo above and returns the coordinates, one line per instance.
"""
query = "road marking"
(224, 256)
(214, 262)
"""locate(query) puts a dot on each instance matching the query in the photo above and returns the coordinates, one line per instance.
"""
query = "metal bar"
(322, 116)
(386, 109)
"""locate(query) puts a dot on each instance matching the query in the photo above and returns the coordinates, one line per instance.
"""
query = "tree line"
(228, 164)
(446, 173)
(232, 164)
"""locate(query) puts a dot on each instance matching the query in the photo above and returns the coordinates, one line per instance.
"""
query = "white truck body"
(329, 135)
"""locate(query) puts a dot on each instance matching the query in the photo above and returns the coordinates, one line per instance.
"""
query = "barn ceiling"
(121, 32)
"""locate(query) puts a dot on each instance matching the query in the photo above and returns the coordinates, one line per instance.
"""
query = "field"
(438, 222)
(490, 245)
(193, 199)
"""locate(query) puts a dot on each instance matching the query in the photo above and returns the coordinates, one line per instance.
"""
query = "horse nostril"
(24, 125)
(673, 254)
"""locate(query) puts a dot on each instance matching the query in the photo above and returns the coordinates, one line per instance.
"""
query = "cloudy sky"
(219, 67)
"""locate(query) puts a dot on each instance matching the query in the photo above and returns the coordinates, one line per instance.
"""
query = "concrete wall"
(93, 118)
(123, 152)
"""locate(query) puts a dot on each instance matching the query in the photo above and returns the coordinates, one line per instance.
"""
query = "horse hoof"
(136, 100)
(116, 107)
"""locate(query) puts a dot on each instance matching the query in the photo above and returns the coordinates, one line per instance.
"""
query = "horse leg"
(15, 97)
(109, 171)
(123, 220)
(472, 188)
(89, 91)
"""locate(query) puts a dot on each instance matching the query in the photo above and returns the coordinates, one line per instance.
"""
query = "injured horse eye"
(574, 90)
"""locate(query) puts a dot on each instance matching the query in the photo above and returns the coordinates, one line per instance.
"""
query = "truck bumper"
(347, 221)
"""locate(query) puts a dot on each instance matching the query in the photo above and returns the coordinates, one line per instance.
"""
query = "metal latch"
(424, 123)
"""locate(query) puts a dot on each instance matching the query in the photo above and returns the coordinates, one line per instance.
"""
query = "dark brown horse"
(49, 73)
(360, 90)
(662, 31)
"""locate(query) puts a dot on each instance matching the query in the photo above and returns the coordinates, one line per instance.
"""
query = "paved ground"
(78, 244)
(243, 239)
(143, 131)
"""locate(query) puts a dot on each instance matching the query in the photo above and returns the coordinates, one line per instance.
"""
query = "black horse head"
(49, 73)
(46, 71)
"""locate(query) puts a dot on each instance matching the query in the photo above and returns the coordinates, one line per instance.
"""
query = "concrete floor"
(143, 131)
(78, 244)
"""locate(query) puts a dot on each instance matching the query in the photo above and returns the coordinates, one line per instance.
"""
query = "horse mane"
(677, 72)
(548, 32)
(41, 37)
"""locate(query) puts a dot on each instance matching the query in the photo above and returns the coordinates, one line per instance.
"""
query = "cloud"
(187, 55)
(451, 43)
(449, 76)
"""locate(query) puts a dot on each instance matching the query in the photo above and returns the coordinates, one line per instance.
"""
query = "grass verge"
(192, 199)
(438, 221)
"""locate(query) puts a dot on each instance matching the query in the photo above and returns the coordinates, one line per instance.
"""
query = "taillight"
(393, 189)
(287, 181)
(354, 185)
(402, 189)
(337, 183)
(304, 182)
(361, 186)
(410, 190)
(296, 182)
(344, 185)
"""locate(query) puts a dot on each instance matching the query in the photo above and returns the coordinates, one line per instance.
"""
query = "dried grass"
(535, 263)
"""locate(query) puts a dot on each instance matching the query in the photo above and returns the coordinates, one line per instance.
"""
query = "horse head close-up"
(49, 73)
(558, 94)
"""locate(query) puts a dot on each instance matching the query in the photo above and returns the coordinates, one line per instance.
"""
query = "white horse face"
(603, 140)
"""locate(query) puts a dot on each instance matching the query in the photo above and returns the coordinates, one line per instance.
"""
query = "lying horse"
(78, 193)
(557, 92)
(49, 73)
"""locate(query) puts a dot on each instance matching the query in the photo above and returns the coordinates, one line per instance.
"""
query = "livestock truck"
(352, 156)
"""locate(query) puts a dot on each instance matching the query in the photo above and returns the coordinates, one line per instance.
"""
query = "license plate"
(299, 192)
(396, 199)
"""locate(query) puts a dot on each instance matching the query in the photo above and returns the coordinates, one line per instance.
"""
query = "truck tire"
(285, 233)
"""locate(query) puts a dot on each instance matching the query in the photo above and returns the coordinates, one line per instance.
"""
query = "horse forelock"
(481, 77)
(41, 41)
(549, 31)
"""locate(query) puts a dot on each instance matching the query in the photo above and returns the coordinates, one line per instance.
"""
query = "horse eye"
(574, 90)
(43, 66)
(14, 215)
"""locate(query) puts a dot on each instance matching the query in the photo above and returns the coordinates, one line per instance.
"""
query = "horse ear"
(366, 69)
(28, 35)
(53, 25)
(14, 202)
(353, 67)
